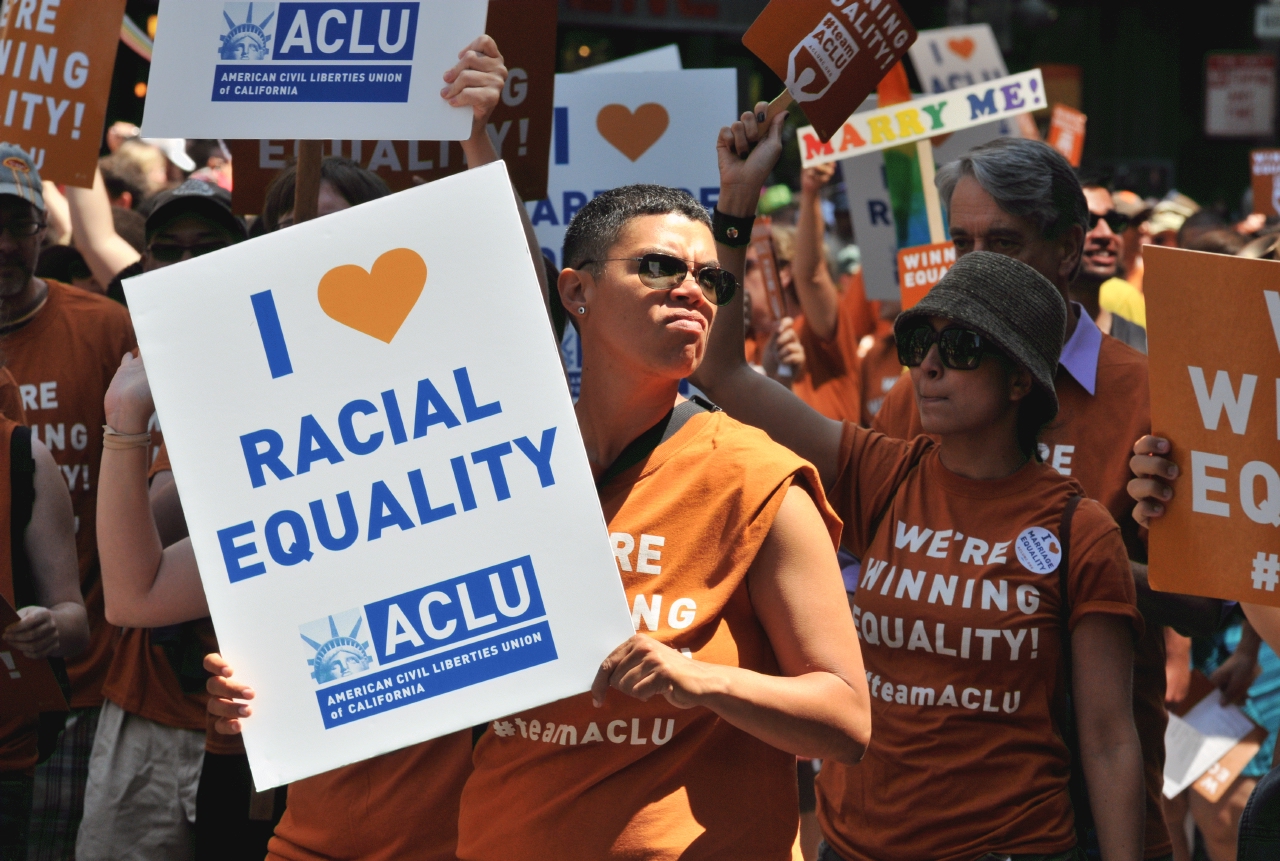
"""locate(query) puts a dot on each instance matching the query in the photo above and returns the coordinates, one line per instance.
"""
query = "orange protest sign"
(830, 53)
(920, 268)
(762, 242)
(1066, 133)
(525, 31)
(1264, 166)
(1214, 337)
(63, 56)
(26, 686)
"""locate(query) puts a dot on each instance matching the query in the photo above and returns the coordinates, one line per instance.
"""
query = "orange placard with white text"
(830, 55)
(62, 56)
(1213, 330)
(762, 243)
(1066, 133)
(1264, 168)
(921, 267)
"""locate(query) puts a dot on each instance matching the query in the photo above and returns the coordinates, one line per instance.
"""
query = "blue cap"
(19, 177)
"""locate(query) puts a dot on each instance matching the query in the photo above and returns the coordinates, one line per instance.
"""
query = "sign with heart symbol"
(376, 302)
(632, 133)
(961, 47)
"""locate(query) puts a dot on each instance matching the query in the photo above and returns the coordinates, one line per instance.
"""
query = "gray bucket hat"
(1013, 305)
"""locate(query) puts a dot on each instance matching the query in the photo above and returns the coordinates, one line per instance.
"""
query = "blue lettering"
(232, 553)
(879, 211)
(300, 551)
(392, 408)
(463, 480)
(985, 105)
(543, 210)
(431, 410)
(427, 514)
(348, 431)
(314, 444)
(385, 510)
(350, 529)
(493, 457)
(540, 456)
(338, 40)
(255, 460)
(709, 196)
(469, 408)
(573, 201)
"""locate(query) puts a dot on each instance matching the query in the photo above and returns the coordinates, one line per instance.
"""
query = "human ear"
(1072, 245)
(1021, 384)
(573, 288)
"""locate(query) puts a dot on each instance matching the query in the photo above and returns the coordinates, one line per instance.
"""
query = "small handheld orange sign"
(830, 54)
(1214, 337)
(762, 244)
(922, 267)
(1264, 166)
(1066, 133)
(63, 58)
(27, 687)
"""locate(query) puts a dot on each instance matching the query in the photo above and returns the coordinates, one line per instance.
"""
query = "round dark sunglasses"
(664, 272)
(1118, 222)
(960, 349)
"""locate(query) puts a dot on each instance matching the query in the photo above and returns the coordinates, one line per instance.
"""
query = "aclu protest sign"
(59, 57)
(1213, 330)
(310, 70)
(925, 117)
(830, 54)
(1264, 168)
(520, 126)
(921, 268)
(953, 57)
(617, 129)
(394, 518)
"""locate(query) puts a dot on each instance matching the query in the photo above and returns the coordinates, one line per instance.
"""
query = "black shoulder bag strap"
(1086, 837)
(22, 500)
(637, 450)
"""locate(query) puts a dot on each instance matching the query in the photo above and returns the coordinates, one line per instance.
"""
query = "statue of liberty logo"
(247, 40)
(338, 657)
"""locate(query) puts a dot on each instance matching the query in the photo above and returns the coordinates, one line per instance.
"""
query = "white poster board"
(1239, 95)
(953, 57)
(387, 494)
(309, 70)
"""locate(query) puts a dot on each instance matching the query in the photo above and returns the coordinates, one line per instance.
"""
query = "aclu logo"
(816, 63)
(245, 38)
(337, 649)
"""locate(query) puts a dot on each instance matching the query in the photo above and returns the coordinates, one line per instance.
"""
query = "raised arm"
(94, 232)
(58, 626)
(819, 707)
(145, 584)
(817, 292)
(1266, 621)
(724, 374)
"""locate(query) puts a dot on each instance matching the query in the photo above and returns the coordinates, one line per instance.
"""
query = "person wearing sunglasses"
(745, 656)
(1114, 304)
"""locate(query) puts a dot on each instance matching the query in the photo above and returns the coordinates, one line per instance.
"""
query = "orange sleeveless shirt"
(648, 780)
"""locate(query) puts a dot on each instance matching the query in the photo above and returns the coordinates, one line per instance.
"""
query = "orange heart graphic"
(961, 47)
(376, 302)
(633, 133)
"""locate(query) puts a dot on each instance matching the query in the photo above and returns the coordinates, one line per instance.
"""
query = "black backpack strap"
(643, 445)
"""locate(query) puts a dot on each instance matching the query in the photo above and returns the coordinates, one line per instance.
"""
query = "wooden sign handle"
(306, 194)
(783, 102)
(932, 204)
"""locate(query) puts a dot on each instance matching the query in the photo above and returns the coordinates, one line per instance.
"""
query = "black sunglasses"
(1118, 222)
(664, 272)
(960, 349)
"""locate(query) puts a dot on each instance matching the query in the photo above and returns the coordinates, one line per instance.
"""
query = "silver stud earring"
(582, 309)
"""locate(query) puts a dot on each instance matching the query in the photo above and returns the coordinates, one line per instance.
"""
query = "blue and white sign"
(240, 67)
(388, 498)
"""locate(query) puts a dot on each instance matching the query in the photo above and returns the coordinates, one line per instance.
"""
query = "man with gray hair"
(1021, 199)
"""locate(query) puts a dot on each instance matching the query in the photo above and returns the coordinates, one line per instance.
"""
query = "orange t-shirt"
(832, 383)
(401, 805)
(1091, 440)
(645, 779)
(18, 751)
(63, 361)
(880, 371)
(958, 616)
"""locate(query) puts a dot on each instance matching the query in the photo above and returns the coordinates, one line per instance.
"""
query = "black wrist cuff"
(730, 230)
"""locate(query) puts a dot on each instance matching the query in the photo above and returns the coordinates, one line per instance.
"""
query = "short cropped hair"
(597, 226)
(1028, 179)
(354, 183)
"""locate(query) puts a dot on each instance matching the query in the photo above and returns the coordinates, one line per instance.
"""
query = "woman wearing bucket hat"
(985, 578)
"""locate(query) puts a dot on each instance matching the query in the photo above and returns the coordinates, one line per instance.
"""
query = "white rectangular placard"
(310, 70)
(387, 493)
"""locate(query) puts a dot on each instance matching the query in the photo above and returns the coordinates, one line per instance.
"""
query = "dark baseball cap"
(195, 197)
